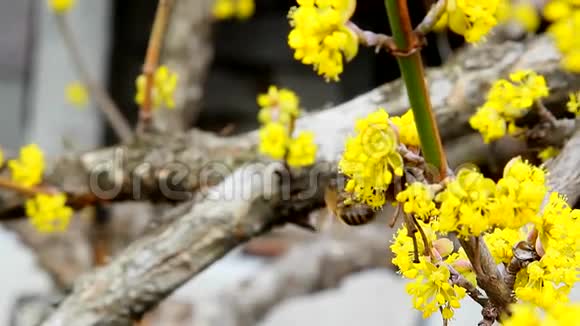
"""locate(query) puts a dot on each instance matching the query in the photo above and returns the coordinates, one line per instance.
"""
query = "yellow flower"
(557, 9)
(302, 150)
(573, 104)
(548, 153)
(1, 157)
(371, 159)
(27, 170)
(281, 105)
(501, 242)
(519, 194)
(564, 31)
(245, 9)
(226, 9)
(49, 213)
(408, 134)
(508, 100)
(162, 91)
(274, 140)
(525, 314)
(403, 249)
(489, 123)
(61, 6)
(465, 204)
(432, 290)
(76, 94)
(526, 14)
(319, 36)
(471, 18)
(417, 199)
(523, 13)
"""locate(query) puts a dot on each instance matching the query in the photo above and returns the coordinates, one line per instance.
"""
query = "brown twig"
(27, 191)
(152, 60)
(432, 17)
(108, 107)
(488, 275)
(472, 290)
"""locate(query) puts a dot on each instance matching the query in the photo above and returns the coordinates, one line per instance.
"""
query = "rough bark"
(188, 50)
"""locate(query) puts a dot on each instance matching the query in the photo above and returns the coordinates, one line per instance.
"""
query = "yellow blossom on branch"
(49, 213)
(302, 150)
(432, 290)
(417, 199)
(501, 243)
(371, 159)
(564, 30)
(573, 104)
(226, 9)
(27, 170)
(281, 105)
(163, 88)
(320, 37)
(508, 100)
(471, 18)
(519, 194)
(465, 204)
(274, 140)
(407, 129)
(61, 6)
(76, 94)
(525, 314)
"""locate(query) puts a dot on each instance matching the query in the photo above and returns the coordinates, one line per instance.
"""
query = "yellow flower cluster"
(565, 15)
(320, 37)
(465, 203)
(48, 213)
(61, 6)
(76, 94)
(527, 315)
(501, 242)
(407, 129)
(27, 170)
(507, 101)
(519, 194)
(431, 289)
(573, 104)
(548, 281)
(163, 88)
(279, 109)
(226, 9)
(371, 158)
(523, 13)
(280, 105)
(471, 18)
(471, 204)
(417, 199)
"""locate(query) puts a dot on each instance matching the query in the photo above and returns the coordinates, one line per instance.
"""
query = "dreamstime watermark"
(176, 181)
(216, 181)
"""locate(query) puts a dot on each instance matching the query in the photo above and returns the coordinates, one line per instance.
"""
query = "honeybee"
(354, 213)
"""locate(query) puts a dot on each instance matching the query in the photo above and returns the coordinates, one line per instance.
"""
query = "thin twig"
(152, 60)
(432, 17)
(371, 39)
(112, 113)
(472, 290)
(27, 191)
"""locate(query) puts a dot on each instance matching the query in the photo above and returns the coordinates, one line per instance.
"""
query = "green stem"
(413, 74)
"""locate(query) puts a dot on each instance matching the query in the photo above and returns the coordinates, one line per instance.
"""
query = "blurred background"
(243, 59)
